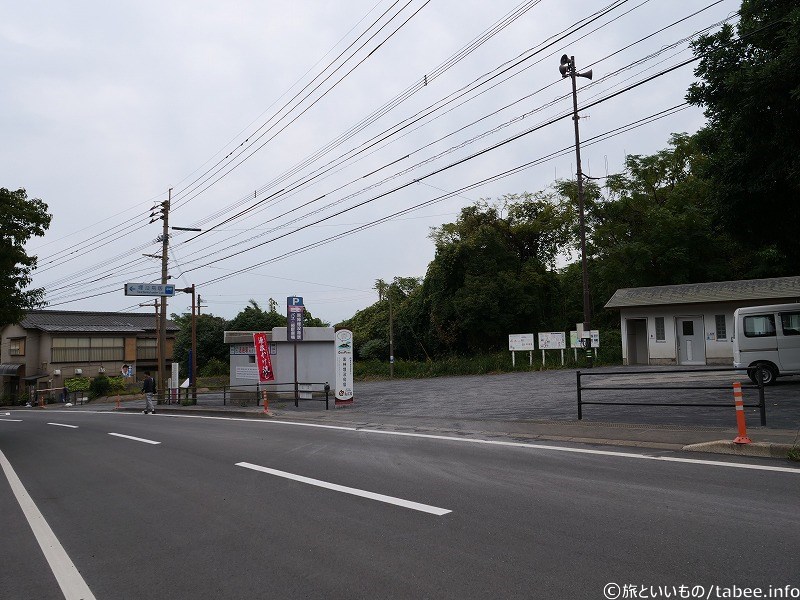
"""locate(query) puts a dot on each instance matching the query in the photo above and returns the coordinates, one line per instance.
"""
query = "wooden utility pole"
(162, 332)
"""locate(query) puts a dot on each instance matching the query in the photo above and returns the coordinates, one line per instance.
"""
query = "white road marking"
(694, 461)
(137, 439)
(427, 508)
(64, 425)
(69, 579)
(12, 420)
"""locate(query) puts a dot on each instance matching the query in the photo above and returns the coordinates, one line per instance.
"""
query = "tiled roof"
(92, 322)
(717, 291)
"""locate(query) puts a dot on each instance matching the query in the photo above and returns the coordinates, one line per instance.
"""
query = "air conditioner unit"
(78, 371)
(56, 371)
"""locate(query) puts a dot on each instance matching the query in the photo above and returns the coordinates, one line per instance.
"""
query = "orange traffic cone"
(739, 402)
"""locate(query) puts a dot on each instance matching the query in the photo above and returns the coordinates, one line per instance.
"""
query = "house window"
(88, 349)
(722, 332)
(759, 326)
(660, 335)
(146, 349)
(16, 347)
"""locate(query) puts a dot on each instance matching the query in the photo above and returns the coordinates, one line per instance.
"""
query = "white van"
(767, 337)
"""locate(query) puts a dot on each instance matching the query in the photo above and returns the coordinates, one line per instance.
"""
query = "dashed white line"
(12, 420)
(136, 439)
(64, 425)
(426, 508)
(69, 579)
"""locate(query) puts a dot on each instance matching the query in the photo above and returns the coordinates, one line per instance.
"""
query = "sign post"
(519, 342)
(294, 333)
(343, 390)
(553, 340)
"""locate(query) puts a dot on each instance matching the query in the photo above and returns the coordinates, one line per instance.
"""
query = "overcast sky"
(268, 119)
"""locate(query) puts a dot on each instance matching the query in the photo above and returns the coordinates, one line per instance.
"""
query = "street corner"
(753, 449)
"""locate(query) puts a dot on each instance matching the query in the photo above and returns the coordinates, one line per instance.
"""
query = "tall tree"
(21, 219)
(210, 340)
(750, 89)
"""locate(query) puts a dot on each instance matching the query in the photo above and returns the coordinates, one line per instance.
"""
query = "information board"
(552, 340)
(520, 342)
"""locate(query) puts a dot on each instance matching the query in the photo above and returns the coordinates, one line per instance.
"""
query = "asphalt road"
(184, 518)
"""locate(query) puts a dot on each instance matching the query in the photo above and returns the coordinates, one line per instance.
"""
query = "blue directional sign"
(149, 289)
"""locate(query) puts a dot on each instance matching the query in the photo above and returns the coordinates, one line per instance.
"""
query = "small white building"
(316, 363)
(691, 324)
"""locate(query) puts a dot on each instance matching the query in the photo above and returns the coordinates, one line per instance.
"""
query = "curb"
(758, 449)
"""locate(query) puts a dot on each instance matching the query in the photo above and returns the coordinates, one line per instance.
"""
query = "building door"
(691, 340)
(636, 330)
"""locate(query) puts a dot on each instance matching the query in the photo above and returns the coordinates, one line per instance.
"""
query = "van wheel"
(768, 373)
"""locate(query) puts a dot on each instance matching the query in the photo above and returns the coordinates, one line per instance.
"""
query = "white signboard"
(520, 342)
(595, 336)
(552, 340)
(247, 372)
(343, 345)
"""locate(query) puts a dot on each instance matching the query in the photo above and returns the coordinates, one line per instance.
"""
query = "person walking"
(149, 388)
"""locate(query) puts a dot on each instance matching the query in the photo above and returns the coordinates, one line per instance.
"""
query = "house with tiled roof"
(49, 346)
(691, 324)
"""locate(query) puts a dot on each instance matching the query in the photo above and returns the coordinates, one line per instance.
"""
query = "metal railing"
(582, 388)
(253, 392)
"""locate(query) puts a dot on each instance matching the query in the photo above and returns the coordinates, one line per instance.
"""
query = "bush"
(375, 349)
(214, 368)
(77, 384)
(100, 386)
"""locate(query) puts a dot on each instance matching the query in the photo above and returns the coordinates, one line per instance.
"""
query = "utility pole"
(193, 377)
(568, 69)
(391, 334)
(162, 331)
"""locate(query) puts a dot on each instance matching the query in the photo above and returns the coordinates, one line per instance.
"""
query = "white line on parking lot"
(64, 425)
(69, 579)
(136, 439)
(434, 510)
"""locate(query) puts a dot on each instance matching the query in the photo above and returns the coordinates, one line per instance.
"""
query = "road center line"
(136, 439)
(69, 579)
(64, 425)
(348, 490)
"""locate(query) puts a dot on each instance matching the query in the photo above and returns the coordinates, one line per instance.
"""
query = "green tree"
(210, 340)
(21, 219)
(750, 89)
(254, 318)
(492, 274)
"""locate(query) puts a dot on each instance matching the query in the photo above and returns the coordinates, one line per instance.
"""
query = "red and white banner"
(263, 361)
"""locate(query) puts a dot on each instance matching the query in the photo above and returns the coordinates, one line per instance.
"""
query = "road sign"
(294, 314)
(149, 289)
